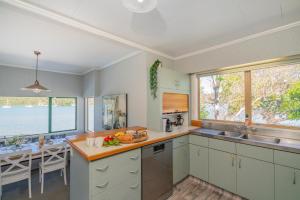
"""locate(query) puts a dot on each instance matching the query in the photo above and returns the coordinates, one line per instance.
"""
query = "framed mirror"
(114, 111)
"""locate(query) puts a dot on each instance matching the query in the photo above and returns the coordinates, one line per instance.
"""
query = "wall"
(275, 45)
(153, 105)
(61, 85)
(128, 76)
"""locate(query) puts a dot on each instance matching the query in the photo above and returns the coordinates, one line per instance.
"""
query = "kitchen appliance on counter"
(157, 171)
(167, 125)
(179, 120)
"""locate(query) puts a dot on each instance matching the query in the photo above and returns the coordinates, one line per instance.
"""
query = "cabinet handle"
(134, 157)
(103, 185)
(134, 172)
(232, 161)
(102, 169)
(240, 163)
(294, 181)
(198, 152)
(134, 186)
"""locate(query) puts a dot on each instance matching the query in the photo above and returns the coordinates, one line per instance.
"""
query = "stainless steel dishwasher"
(157, 171)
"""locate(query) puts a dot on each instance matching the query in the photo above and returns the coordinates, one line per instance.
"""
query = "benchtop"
(95, 153)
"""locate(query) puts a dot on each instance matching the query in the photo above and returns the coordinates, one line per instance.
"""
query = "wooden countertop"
(95, 153)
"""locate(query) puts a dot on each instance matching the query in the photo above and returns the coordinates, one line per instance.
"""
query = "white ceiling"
(175, 28)
(64, 49)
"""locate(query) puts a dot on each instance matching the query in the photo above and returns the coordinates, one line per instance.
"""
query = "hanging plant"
(153, 77)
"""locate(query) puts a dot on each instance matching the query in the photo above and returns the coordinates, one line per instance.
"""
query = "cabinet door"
(171, 79)
(180, 163)
(199, 162)
(222, 170)
(287, 183)
(255, 179)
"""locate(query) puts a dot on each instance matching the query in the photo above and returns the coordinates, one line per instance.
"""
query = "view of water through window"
(30, 115)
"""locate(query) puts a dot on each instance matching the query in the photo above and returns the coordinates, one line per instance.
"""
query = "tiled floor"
(189, 189)
(194, 189)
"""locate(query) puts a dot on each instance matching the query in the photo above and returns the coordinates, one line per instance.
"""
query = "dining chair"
(16, 167)
(54, 157)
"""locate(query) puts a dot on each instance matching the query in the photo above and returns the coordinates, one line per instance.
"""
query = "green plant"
(153, 77)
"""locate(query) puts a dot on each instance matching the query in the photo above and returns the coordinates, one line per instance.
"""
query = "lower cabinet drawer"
(108, 173)
(180, 141)
(255, 152)
(121, 192)
(198, 140)
(222, 145)
(287, 159)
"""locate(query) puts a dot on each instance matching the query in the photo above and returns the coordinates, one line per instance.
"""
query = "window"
(63, 114)
(269, 93)
(90, 101)
(276, 95)
(23, 115)
(222, 97)
(36, 115)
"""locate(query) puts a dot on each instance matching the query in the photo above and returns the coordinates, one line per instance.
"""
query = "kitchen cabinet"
(180, 159)
(287, 159)
(255, 179)
(115, 177)
(199, 162)
(222, 169)
(287, 183)
(171, 79)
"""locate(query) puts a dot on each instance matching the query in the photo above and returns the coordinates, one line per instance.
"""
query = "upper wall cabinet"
(174, 102)
(170, 79)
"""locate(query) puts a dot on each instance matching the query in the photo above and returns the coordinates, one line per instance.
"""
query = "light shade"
(36, 88)
(140, 6)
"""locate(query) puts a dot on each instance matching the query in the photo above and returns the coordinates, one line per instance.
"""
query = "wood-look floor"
(195, 189)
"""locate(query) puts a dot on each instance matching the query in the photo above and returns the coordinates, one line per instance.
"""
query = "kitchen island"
(110, 173)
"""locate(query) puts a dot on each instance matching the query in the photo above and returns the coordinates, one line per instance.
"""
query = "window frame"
(246, 69)
(86, 100)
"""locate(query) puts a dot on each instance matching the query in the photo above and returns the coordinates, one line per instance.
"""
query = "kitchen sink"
(259, 138)
(231, 134)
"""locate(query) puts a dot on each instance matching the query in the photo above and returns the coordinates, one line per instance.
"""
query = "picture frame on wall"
(114, 111)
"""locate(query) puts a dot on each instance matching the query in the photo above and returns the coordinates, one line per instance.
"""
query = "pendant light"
(36, 87)
(140, 6)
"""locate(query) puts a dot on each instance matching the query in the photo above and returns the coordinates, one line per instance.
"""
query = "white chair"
(16, 167)
(54, 158)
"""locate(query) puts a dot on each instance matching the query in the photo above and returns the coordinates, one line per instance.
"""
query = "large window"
(222, 97)
(268, 94)
(35, 115)
(276, 95)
